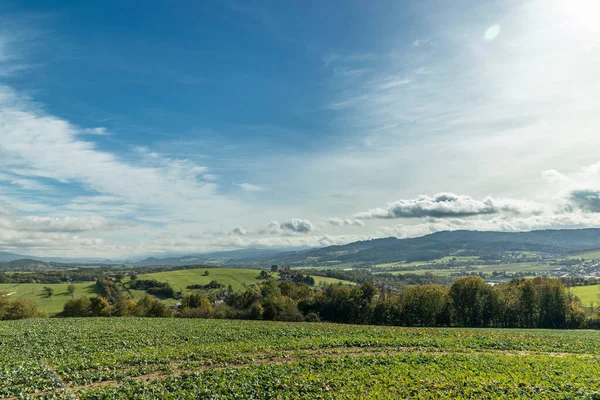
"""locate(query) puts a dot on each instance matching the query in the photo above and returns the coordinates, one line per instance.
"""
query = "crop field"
(127, 358)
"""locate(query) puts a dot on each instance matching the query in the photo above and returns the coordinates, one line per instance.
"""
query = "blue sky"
(130, 129)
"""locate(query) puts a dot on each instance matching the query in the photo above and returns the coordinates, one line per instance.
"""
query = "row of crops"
(220, 359)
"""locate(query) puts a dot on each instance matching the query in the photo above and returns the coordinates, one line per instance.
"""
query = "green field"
(587, 255)
(136, 358)
(180, 279)
(514, 267)
(36, 293)
(588, 294)
(422, 271)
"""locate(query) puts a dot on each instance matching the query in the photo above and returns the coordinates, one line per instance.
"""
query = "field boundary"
(59, 381)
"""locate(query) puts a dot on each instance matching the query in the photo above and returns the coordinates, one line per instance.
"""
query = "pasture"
(36, 293)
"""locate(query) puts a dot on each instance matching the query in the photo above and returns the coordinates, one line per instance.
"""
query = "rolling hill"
(384, 250)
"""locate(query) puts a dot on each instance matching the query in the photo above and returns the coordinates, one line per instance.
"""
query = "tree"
(423, 305)
(124, 308)
(528, 304)
(99, 307)
(195, 306)
(274, 268)
(149, 306)
(49, 291)
(473, 302)
(263, 275)
(554, 304)
(80, 307)
(71, 290)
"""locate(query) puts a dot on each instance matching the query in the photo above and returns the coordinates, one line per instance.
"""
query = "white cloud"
(62, 224)
(345, 222)
(297, 225)
(24, 183)
(444, 205)
(249, 187)
(421, 42)
(292, 226)
(39, 145)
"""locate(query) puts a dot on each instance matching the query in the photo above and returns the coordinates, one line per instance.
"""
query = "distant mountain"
(5, 257)
(438, 245)
(216, 258)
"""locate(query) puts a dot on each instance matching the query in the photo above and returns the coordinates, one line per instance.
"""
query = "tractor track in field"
(283, 358)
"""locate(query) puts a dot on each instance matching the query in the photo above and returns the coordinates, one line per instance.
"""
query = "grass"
(323, 280)
(587, 294)
(422, 271)
(516, 267)
(181, 279)
(442, 260)
(36, 293)
(331, 265)
(147, 358)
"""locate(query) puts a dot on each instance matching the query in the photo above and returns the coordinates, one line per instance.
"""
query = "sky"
(130, 129)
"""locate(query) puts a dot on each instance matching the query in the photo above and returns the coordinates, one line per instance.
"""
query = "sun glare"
(583, 15)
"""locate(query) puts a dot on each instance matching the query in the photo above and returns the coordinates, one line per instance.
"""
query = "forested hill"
(423, 248)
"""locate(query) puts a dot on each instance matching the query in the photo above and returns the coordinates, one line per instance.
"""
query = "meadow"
(36, 293)
(144, 358)
(588, 294)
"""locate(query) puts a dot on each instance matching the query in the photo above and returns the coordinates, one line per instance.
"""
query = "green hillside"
(236, 277)
(588, 294)
(36, 293)
(181, 279)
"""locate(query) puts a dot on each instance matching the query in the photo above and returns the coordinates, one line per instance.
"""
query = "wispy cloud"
(98, 131)
(249, 187)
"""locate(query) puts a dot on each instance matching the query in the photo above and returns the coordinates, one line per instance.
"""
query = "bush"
(80, 307)
(19, 309)
(149, 306)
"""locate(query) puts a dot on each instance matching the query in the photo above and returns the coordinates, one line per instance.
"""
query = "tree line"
(468, 302)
